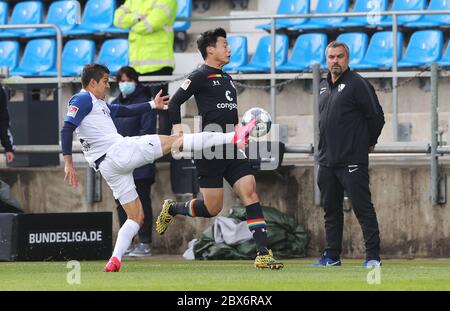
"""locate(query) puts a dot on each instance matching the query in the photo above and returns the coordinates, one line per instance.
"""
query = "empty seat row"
(371, 7)
(39, 57)
(98, 16)
(424, 47)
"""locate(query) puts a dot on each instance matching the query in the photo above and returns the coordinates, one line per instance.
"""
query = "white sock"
(126, 233)
(204, 140)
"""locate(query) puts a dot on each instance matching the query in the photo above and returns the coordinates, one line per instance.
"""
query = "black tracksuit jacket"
(5, 134)
(350, 120)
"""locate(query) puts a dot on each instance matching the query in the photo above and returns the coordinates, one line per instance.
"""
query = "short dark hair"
(209, 38)
(336, 44)
(92, 71)
(130, 72)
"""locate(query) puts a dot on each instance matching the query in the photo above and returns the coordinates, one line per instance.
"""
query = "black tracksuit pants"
(354, 180)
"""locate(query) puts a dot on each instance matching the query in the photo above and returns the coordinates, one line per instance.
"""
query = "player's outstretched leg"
(265, 260)
(164, 218)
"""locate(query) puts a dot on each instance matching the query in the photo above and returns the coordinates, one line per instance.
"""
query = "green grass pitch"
(170, 274)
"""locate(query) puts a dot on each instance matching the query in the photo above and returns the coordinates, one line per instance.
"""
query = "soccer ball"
(263, 121)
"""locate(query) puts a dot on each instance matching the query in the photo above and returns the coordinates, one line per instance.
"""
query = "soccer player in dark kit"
(216, 99)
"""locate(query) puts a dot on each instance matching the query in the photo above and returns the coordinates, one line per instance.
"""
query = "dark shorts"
(212, 172)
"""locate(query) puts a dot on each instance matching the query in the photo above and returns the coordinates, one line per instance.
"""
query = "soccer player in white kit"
(116, 156)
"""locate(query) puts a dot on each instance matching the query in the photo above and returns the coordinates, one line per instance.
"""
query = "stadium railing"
(394, 74)
(273, 76)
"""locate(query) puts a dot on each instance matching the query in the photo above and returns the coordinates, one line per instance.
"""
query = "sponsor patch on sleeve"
(185, 84)
(72, 111)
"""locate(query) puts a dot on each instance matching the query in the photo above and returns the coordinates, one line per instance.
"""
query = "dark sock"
(257, 225)
(192, 208)
(177, 209)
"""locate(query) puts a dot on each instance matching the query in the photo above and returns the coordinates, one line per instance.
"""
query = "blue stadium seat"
(424, 47)
(9, 54)
(289, 7)
(114, 54)
(379, 51)
(260, 61)
(405, 5)
(434, 20)
(239, 53)
(3, 13)
(324, 7)
(39, 56)
(98, 16)
(62, 13)
(185, 11)
(357, 43)
(29, 12)
(75, 55)
(370, 7)
(445, 60)
(308, 49)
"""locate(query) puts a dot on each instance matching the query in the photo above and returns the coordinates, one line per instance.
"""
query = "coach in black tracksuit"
(350, 122)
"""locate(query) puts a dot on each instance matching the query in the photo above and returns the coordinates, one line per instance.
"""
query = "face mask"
(127, 88)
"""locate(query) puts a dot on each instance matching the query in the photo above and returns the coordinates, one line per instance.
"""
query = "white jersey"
(95, 127)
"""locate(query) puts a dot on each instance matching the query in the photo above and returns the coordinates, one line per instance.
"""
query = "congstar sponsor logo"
(229, 106)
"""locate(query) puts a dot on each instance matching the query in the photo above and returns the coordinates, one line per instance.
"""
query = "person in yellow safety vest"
(150, 42)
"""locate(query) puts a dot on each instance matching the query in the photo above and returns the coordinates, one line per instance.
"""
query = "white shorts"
(122, 158)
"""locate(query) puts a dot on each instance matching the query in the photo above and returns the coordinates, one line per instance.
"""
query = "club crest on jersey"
(72, 111)
(186, 84)
(216, 82)
(228, 96)
(341, 87)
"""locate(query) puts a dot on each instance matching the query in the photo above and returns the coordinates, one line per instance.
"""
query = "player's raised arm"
(159, 102)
